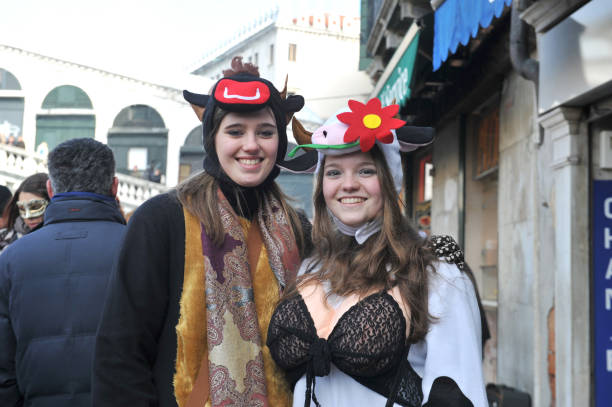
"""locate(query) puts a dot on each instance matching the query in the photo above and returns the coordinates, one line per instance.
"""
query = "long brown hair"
(198, 194)
(396, 256)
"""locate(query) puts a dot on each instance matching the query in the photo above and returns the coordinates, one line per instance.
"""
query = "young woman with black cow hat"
(202, 267)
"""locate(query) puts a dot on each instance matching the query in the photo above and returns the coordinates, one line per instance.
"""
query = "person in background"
(154, 173)
(201, 267)
(53, 282)
(19, 142)
(24, 212)
(5, 197)
(378, 318)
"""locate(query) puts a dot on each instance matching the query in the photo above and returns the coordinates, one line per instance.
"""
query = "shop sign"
(397, 87)
(602, 290)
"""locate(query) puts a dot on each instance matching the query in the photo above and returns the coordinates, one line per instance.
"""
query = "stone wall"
(517, 223)
(445, 195)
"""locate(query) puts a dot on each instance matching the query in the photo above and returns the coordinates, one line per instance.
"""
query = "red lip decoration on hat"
(234, 92)
(370, 122)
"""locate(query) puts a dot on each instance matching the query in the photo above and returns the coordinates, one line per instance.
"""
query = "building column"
(570, 189)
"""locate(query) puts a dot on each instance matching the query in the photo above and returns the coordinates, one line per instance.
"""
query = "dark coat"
(136, 345)
(52, 289)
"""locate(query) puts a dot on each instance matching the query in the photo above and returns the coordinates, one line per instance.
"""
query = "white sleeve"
(306, 266)
(453, 346)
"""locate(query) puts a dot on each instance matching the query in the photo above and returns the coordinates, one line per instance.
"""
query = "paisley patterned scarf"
(234, 344)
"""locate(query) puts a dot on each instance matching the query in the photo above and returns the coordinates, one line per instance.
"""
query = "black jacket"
(52, 289)
(136, 345)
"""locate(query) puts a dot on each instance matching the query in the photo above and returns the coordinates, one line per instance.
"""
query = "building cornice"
(412, 32)
(545, 14)
(246, 33)
(338, 34)
(381, 21)
(271, 21)
(408, 9)
(562, 126)
(210, 62)
(87, 68)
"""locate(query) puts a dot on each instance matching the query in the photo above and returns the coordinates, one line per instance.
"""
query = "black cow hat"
(241, 93)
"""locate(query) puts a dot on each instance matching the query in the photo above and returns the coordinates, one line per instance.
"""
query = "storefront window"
(487, 133)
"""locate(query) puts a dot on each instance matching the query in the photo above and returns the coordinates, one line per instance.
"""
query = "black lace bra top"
(368, 343)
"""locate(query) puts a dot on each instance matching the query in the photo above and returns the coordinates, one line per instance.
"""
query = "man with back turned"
(53, 282)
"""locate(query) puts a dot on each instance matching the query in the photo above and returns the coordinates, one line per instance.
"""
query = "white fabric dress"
(454, 341)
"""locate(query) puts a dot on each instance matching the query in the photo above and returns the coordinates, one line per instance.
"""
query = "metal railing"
(16, 164)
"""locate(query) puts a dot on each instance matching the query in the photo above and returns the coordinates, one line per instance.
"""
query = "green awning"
(397, 85)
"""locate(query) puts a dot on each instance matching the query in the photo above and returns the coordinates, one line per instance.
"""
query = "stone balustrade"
(17, 163)
(133, 191)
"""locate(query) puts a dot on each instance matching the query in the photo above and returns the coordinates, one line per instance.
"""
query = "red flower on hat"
(370, 122)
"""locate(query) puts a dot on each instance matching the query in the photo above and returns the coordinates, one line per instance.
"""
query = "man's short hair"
(81, 165)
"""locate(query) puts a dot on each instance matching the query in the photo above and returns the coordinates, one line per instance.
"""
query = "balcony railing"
(134, 191)
(16, 164)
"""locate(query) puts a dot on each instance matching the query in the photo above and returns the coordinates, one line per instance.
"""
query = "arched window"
(139, 140)
(8, 81)
(11, 109)
(68, 114)
(67, 97)
(192, 154)
(139, 116)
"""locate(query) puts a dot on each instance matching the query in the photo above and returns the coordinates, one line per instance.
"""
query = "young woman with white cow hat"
(379, 316)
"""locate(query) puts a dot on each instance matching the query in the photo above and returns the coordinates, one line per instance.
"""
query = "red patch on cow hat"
(229, 91)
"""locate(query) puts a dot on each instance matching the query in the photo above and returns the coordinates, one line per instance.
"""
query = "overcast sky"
(152, 40)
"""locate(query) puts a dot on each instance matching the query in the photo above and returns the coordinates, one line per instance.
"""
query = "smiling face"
(351, 188)
(246, 144)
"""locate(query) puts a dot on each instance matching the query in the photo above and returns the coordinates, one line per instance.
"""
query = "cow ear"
(412, 137)
(293, 103)
(302, 164)
(198, 102)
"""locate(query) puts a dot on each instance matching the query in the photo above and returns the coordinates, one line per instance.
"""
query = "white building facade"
(319, 53)
(45, 101)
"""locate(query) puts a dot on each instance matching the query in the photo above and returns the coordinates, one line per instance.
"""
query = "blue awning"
(458, 20)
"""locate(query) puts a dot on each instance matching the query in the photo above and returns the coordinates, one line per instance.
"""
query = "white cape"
(455, 343)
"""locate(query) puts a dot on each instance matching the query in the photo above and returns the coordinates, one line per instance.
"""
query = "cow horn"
(283, 94)
(302, 136)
